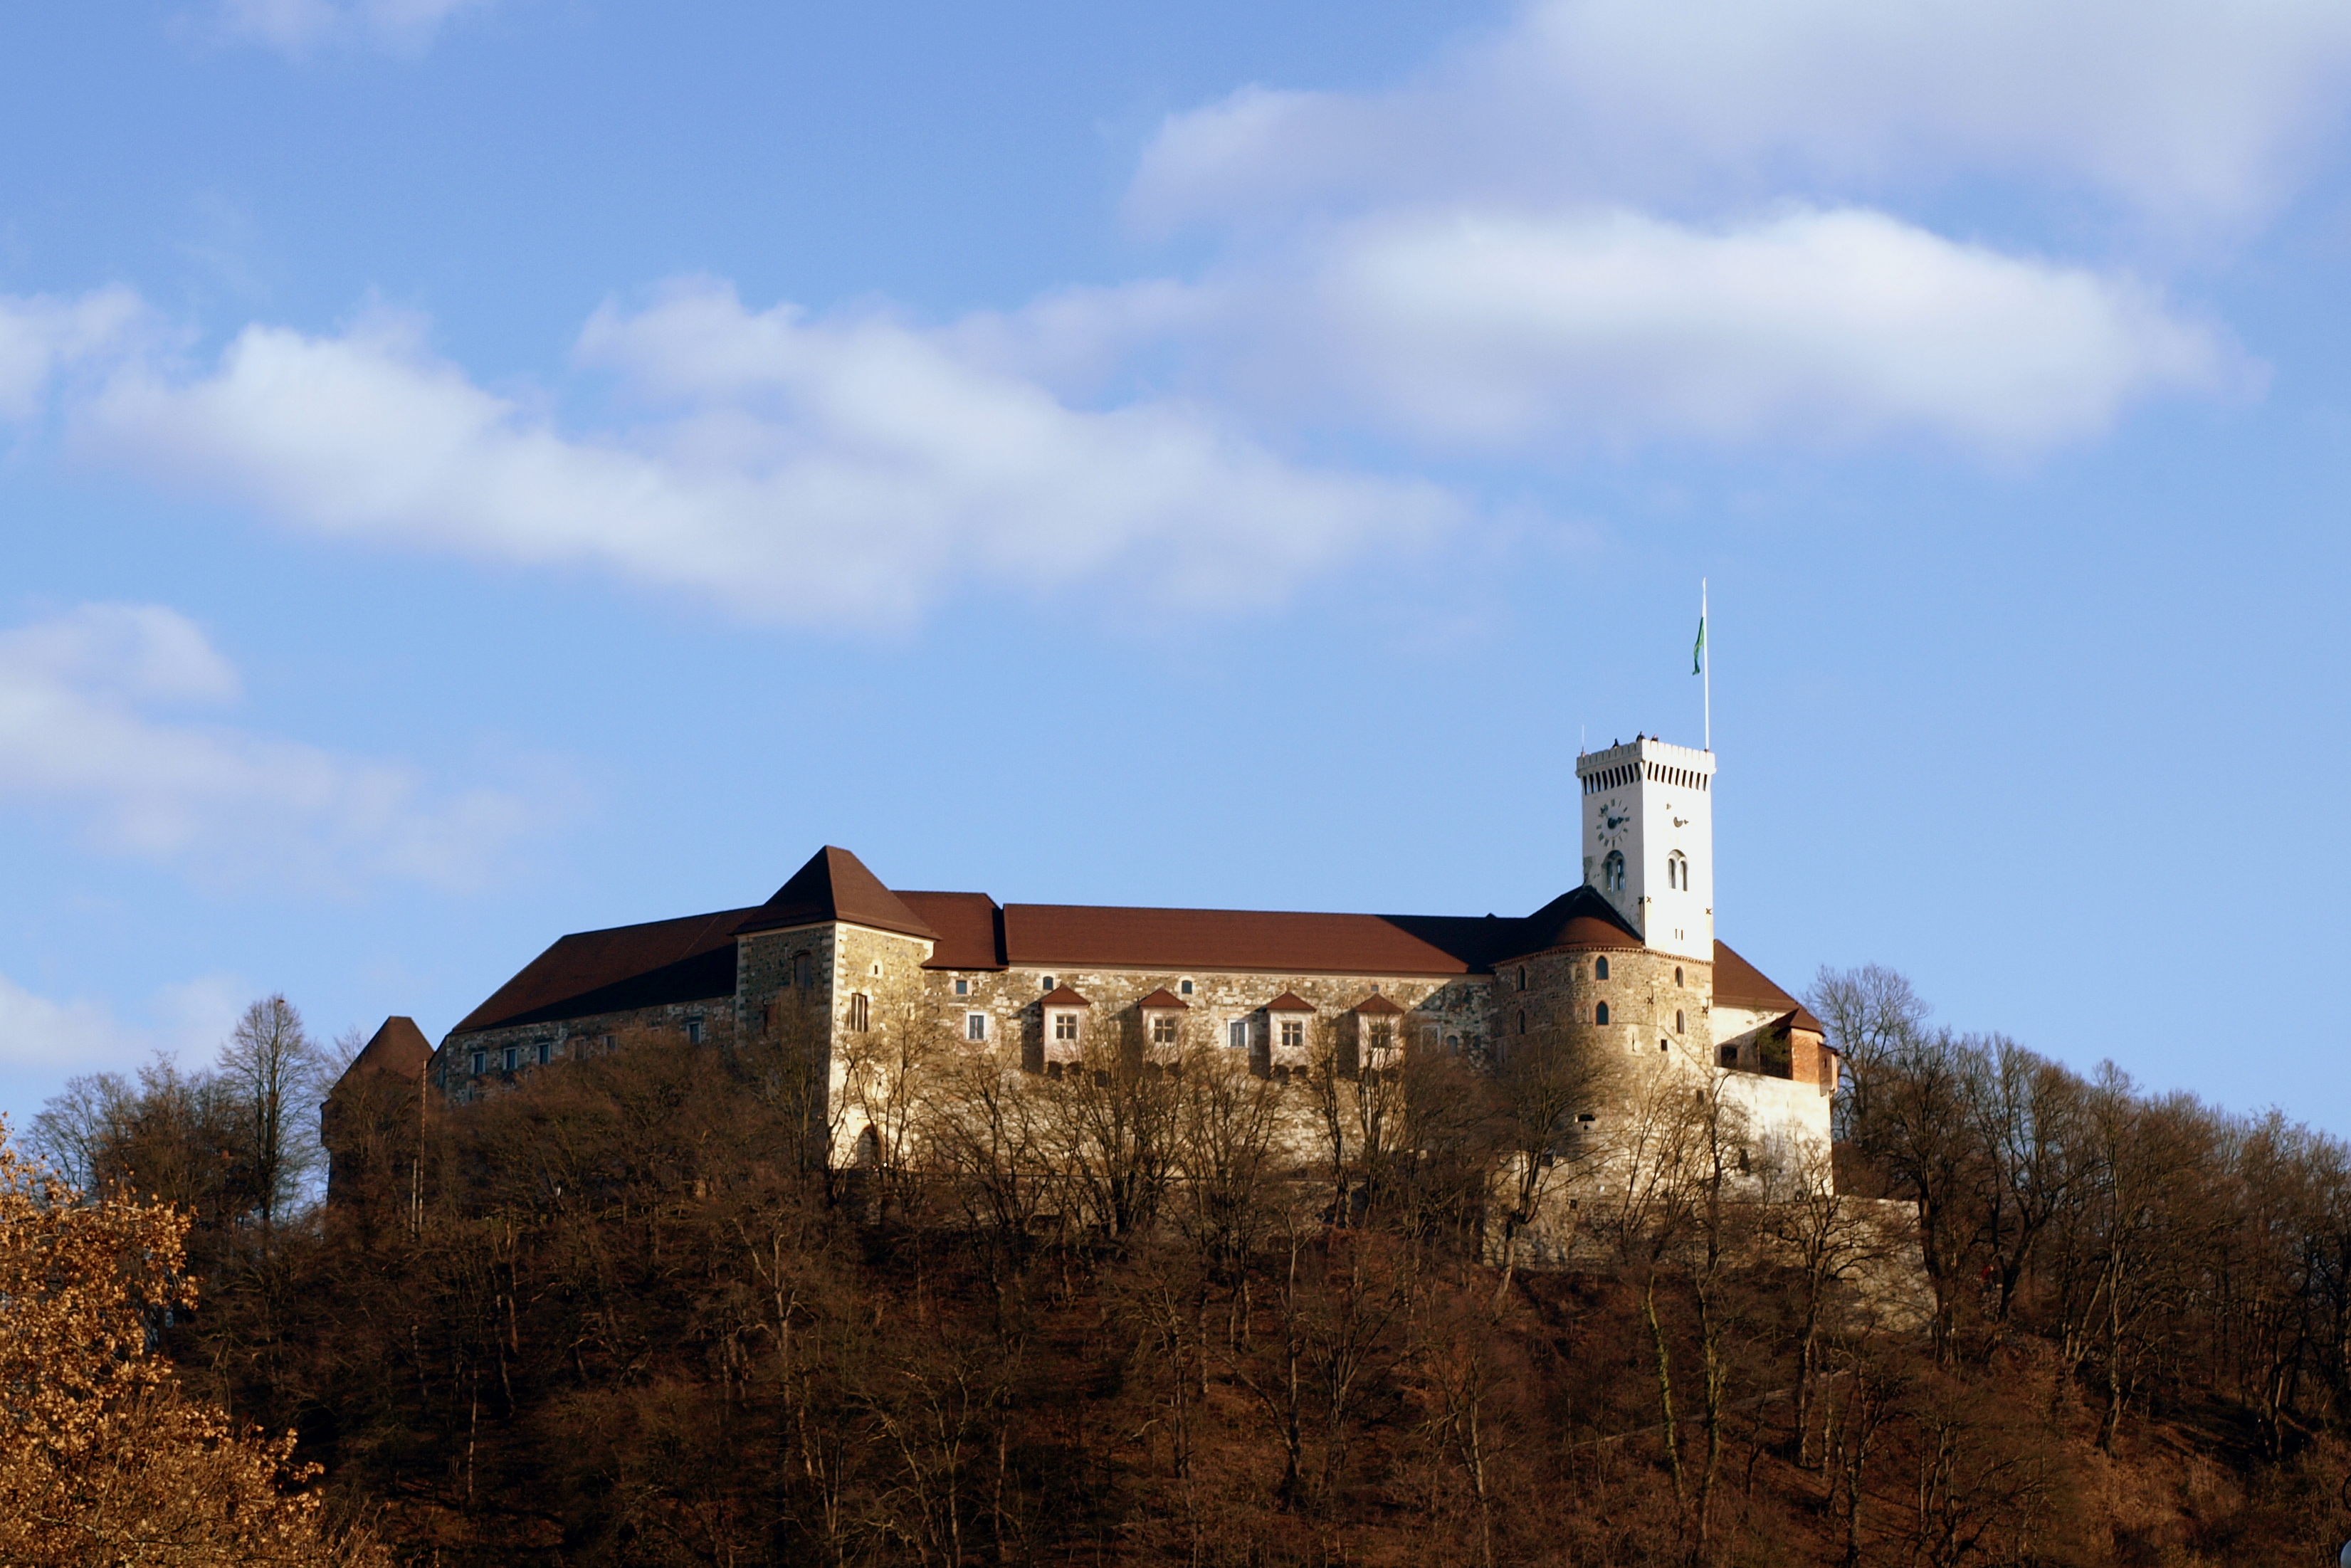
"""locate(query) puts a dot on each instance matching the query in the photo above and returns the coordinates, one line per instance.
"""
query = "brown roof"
(1288, 1003)
(970, 928)
(1376, 1003)
(835, 886)
(1581, 918)
(663, 961)
(1740, 984)
(1164, 1000)
(1270, 941)
(398, 1050)
(1062, 997)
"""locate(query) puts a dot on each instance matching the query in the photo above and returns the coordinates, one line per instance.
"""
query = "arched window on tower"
(1612, 873)
(1677, 871)
(1599, 969)
(1679, 1027)
(1600, 1013)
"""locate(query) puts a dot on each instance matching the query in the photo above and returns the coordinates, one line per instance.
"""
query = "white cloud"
(302, 27)
(41, 335)
(2186, 111)
(839, 471)
(1501, 330)
(81, 733)
(69, 1037)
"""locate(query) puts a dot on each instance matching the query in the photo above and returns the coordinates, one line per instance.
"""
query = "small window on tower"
(1612, 873)
(1600, 1013)
(1678, 1026)
(1677, 973)
(1522, 977)
(1677, 871)
(1599, 969)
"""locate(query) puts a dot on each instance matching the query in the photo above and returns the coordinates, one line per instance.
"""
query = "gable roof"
(1287, 1002)
(397, 1050)
(1165, 1000)
(1740, 984)
(835, 886)
(970, 929)
(1282, 942)
(663, 961)
(1377, 1004)
(1062, 997)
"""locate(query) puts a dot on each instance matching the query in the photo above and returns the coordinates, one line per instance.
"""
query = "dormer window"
(1612, 873)
(1162, 1029)
(1065, 1027)
(1293, 1034)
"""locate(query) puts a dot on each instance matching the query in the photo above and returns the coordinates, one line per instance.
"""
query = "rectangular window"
(803, 970)
(606, 1043)
(506, 1058)
(1065, 1026)
(1183, 988)
(1383, 1036)
(480, 1061)
(975, 1025)
(546, 1052)
(860, 1011)
(1294, 1035)
(694, 1031)
(1237, 1034)
(963, 987)
(1163, 1030)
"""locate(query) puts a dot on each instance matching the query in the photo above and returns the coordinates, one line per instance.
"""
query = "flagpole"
(1707, 665)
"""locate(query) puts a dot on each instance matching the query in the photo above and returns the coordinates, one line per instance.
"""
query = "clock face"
(1613, 818)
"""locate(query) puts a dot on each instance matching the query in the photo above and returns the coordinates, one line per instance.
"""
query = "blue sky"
(473, 471)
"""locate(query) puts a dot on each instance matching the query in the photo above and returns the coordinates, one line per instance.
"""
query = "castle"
(1627, 960)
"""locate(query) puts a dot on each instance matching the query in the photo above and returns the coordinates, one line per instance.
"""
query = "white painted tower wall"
(1646, 800)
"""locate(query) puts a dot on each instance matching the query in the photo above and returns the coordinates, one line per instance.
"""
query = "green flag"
(1698, 654)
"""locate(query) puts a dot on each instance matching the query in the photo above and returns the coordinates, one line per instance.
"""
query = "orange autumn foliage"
(103, 1460)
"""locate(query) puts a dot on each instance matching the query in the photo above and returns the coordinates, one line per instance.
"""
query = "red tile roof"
(1581, 919)
(397, 1050)
(1740, 984)
(970, 928)
(588, 972)
(1377, 1004)
(1062, 997)
(1165, 1000)
(1288, 1003)
(835, 886)
(1269, 941)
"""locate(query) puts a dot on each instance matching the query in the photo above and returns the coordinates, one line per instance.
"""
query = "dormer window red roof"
(1164, 999)
(1287, 1002)
(1062, 997)
(1377, 1004)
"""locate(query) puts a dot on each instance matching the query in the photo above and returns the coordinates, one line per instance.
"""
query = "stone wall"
(669, 1026)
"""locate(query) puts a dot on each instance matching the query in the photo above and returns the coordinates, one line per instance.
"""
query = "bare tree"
(1872, 1014)
(275, 1069)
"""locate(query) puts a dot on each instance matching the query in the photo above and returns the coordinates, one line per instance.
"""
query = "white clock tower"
(1649, 841)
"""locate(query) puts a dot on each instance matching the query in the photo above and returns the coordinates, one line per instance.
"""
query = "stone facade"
(1626, 962)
